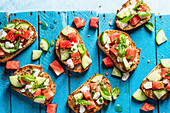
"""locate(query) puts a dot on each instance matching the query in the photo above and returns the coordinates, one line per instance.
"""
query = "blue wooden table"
(13, 102)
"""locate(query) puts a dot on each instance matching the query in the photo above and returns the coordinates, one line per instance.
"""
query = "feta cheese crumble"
(100, 101)
(96, 95)
(36, 72)
(84, 88)
(82, 109)
(70, 63)
(46, 83)
(2, 33)
(9, 45)
(147, 85)
(119, 59)
(22, 90)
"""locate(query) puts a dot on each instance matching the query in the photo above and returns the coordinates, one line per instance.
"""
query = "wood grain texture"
(106, 22)
(62, 89)
(20, 103)
(163, 51)
(4, 75)
(146, 42)
(77, 79)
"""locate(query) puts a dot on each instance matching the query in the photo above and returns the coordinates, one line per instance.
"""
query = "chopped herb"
(75, 59)
(79, 58)
(3, 38)
(19, 28)
(74, 49)
(116, 48)
(129, 57)
(115, 40)
(71, 52)
(167, 74)
(161, 84)
(92, 95)
(99, 84)
(101, 100)
(33, 72)
(46, 91)
(15, 32)
(23, 29)
(22, 33)
(94, 89)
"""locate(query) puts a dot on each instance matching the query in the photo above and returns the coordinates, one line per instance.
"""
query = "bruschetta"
(132, 14)
(71, 50)
(156, 85)
(91, 96)
(32, 82)
(120, 48)
(15, 37)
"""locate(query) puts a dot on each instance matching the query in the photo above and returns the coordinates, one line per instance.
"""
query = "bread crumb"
(148, 61)
(106, 73)
(143, 57)
(40, 22)
(49, 51)
(100, 6)
(69, 74)
(88, 35)
(162, 56)
(77, 78)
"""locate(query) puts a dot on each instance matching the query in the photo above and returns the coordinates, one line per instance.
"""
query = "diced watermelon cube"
(38, 92)
(94, 22)
(147, 107)
(11, 36)
(131, 53)
(114, 38)
(79, 22)
(51, 108)
(65, 44)
(76, 58)
(108, 62)
(2, 53)
(48, 93)
(12, 65)
(73, 37)
(87, 94)
(93, 105)
(113, 50)
(142, 8)
(157, 85)
(24, 82)
(92, 85)
(56, 67)
(135, 20)
(164, 73)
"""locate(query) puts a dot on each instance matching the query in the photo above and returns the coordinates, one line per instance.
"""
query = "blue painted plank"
(163, 51)
(62, 82)
(106, 22)
(21, 103)
(91, 46)
(4, 75)
(146, 42)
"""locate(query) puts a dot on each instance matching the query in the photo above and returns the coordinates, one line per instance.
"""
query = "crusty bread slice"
(129, 27)
(78, 67)
(72, 101)
(149, 92)
(120, 65)
(29, 67)
(28, 43)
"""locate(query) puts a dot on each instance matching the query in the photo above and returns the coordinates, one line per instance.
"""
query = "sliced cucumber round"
(155, 76)
(97, 78)
(36, 54)
(139, 95)
(78, 96)
(160, 37)
(67, 30)
(40, 99)
(165, 63)
(40, 80)
(159, 93)
(86, 61)
(116, 72)
(23, 25)
(105, 93)
(104, 38)
(14, 81)
(10, 26)
(44, 44)
(126, 64)
(64, 53)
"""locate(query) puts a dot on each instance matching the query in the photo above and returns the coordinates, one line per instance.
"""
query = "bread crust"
(129, 27)
(71, 99)
(27, 44)
(119, 65)
(42, 74)
(78, 67)
(149, 92)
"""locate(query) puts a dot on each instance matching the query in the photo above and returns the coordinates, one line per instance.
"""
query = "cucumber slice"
(44, 44)
(97, 78)
(40, 80)
(36, 54)
(155, 76)
(67, 30)
(116, 72)
(165, 63)
(78, 96)
(159, 93)
(160, 37)
(104, 38)
(64, 53)
(10, 26)
(86, 61)
(139, 95)
(105, 93)
(126, 64)
(14, 81)
(81, 49)
(40, 99)
(23, 25)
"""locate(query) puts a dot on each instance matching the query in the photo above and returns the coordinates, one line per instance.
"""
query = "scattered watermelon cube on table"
(12, 65)
(56, 68)
(51, 108)
(108, 62)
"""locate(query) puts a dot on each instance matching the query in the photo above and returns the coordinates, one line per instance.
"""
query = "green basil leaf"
(105, 91)
(115, 92)
(82, 102)
(28, 78)
(149, 26)
(121, 51)
(126, 19)
(122, 38)
(136, 7)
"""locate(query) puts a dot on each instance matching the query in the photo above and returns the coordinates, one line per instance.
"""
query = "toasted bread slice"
(119, 65)
(149, 92)
(129, 27)
(77, 67)
(72, 101)
(28, 43)
(30, 67)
